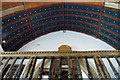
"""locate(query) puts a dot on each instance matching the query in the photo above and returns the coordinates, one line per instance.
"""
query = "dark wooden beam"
(90, 75)
(41, 69)
(113, 68)
(79, 69)
(7, 75)
(17, 72)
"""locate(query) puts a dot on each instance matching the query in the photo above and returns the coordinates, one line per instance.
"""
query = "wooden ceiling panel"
(29, 5)
(7, 5)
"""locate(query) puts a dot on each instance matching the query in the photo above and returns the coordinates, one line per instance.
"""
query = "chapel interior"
(53, 40)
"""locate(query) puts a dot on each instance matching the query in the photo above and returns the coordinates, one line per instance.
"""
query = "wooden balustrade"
(57, 60)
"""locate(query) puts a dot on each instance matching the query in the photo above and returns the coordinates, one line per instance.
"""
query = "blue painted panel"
(15, 33)
(82, 14)
(46, 15)
(82, 7)
(56, 7)
(81, 24)
(48, 30)
(47, 20)
(16, 47)
(112, 13)
(13, 18)
(110, 35)
(17, 39)
(111, 28)
(13, 26)
(116, 22)
(47, 26)
(117, 46)
(81, 19)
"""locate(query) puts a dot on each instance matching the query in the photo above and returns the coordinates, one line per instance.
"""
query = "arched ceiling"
(23, 22)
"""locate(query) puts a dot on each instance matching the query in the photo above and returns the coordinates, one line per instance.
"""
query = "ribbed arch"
(24, 26)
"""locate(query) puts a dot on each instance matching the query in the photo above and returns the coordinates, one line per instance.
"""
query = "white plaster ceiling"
(78, 42)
